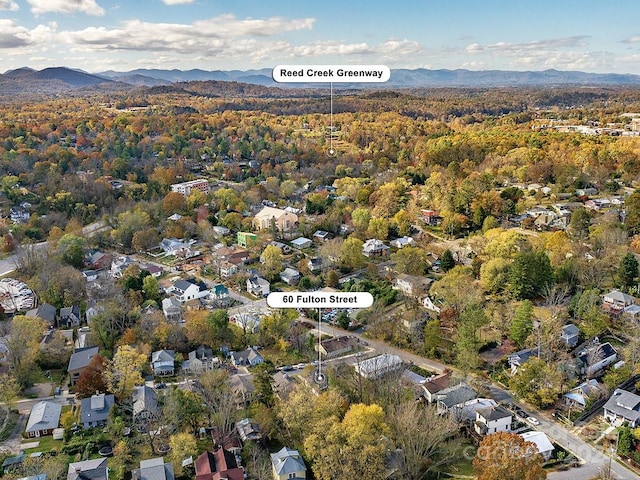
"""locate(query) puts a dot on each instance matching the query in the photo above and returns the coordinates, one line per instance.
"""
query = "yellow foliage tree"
(123, 373)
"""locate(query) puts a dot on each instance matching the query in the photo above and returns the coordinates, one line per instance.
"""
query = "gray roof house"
(70, 316)
(570, 335)
(145, 401)
(79, 360)
(172, 309)
(162, 362)
(622, 406)
(249, 357)
(44, 418)
(597, 357)
(290, 276)
(258, 286)
(153, 469)
(451, 397)
(45, 312)
(95, 469)
(94, 411)
(287, 464)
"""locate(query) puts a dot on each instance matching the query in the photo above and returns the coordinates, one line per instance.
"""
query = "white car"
(533, 421)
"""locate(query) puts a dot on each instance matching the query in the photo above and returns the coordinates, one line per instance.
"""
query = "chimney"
(78, 470)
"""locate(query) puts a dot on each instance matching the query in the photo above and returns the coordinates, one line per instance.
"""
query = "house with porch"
(622, 407)
(492, 420)
(162, 362)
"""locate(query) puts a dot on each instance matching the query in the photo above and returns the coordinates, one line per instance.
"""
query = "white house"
(185, 290)
(541, 441)
(492, 420)
(258, 286)
(290, 276)
(622, 406)
(172, 309)
(374, 248)
(597, 357)
(379, 366)
(162, 362)
(402, 242)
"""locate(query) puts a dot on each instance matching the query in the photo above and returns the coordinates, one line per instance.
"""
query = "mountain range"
(61, 79)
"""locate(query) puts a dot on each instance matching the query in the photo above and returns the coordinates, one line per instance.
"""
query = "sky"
(122, 35)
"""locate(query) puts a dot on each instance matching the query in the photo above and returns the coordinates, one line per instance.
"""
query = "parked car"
(533, 421)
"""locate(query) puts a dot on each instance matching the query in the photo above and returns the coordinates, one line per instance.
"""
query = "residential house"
(219, 292)
(70, 316)
(246, 239)
(569, 335)
(412, 285)
(90, 275)
(314, 264)
(93, 308)
(616, 301)
(200, 360)
(543, 444)
(80, 360)
(337, 346)
(100, 260)
(248, 322)
(622, 407)
(154, 270)
(374, 248)
(46, 312)
(493, 419)
(283, 384)
(185, 290)
(242, 388)
(322, 236)
(178, 248)
(94, 411)
(119, 265)
(284, 221)
(517, 359)
(43, 419)
(153, 469)
(286, 249)
(19, 215)
(221, 231)
(246, 358)
(402, 242)
(429, 305)
(228, 269)
(172, 309)
(220, 464)
(162, 362)
(435, 385)
(597, 357)
(290, 276)
(145, 401)
(95, 469)
(288, 464)
(301, 243)
(378, 366)
(430, 217)
(258, 286)
(248, 430)
(580, 395)
(176, 217)
(451, 398)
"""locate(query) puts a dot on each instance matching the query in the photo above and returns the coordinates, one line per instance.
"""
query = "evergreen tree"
(447, 262)
(628, 270)
(530, 274)
(522, 323)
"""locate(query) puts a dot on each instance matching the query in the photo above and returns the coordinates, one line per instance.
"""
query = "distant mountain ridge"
(62, 79)
(421, 77)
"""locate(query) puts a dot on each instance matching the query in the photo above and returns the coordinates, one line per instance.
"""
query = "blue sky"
(98, 35)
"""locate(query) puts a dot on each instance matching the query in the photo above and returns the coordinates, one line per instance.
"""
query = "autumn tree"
(351, 256)
(507, 456)
(272, 262)
(92, 378)
(9, 391)
(183, 445)
(410, 260)
(351, 447)
(632, 207)
(173, 202)
(537, 382)
(124, 371)
(23, 345)
(579, 223)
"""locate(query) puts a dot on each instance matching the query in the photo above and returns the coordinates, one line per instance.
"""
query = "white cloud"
(508, 48)
(178, 2)
(634, 39)
(13, 36)
(8, 5)
(90, 7)
(391, 49)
